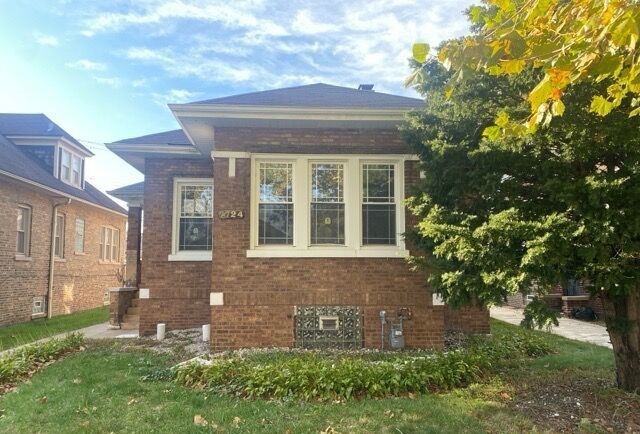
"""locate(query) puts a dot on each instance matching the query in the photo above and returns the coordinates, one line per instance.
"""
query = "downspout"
(52, 256)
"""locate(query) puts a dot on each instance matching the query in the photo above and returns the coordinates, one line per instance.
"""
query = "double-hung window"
(192, 219)
(58, 243)
(327, 204)
(109, 244)
(275, 208)
(76, 170)
(79, 241)
(23, 231)
(378, 204)
(70, 168)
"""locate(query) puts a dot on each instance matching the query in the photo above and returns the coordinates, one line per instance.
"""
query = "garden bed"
(342, 375)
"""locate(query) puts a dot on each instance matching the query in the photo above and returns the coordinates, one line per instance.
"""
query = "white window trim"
(176, 254)
(103, 257)
(353, 247)
(27, 233)
(59, 152)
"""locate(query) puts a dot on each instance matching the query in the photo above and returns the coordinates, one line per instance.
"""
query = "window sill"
(102, 262)
(79, 253)
(38, 315)
(191, 256)
(23, 258)
(60, 259)
(328, 253)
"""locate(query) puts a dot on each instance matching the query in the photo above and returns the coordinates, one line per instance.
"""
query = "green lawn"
(19, 334)
(100, 391)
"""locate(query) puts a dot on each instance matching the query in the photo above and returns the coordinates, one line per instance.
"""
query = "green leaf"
(540, 94)
(492, 133)
(608, 65)
(601, 106)
(502, 120)
(514, 66)
(420, 52)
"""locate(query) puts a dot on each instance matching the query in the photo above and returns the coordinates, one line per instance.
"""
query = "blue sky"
(105, 70)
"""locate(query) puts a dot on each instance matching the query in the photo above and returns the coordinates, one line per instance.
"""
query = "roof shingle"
(172, 137)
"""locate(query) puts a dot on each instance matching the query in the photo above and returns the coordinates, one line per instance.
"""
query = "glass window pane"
(275, 224)
(327, 223)
(196, 201)
(195, 234)
(21, 243)
(378, 224)
(79, 242)
(276, 182)
(59, 239)
(327, 182)
(21, 219)
(378, 183)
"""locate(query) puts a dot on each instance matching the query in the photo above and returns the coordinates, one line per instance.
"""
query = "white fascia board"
(58, 192)
(49, 140)
(302, 113)
(153, 149)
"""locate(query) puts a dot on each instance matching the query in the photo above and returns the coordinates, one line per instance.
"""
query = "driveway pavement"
(568, 328)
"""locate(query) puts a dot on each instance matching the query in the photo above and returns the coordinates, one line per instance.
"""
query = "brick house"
(60, 237)
(277, 217)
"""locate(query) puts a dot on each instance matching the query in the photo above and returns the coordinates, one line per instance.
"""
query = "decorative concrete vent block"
(328, 326)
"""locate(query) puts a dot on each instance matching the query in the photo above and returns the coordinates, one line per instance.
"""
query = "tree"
(570, 41)
(504, 215)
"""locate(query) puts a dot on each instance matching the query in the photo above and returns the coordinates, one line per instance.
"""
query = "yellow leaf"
(514, 66)
(502, 120)
(557, 108)
(540, 94)
(601, 106)
(420, 52)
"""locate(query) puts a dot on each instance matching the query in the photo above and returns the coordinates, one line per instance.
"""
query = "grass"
(24, 333)
(100, 391)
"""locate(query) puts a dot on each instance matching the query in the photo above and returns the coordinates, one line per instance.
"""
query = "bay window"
(192, 219)
(314, 206)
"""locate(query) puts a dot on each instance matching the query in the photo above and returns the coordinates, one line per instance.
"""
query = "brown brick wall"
(467, 319)
(179, 291)
(296, 140)
(260, 293)
(79, 280)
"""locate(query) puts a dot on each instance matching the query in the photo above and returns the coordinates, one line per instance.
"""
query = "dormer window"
(70, 168)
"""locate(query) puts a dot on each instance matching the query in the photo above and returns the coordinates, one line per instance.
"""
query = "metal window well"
(313, 330)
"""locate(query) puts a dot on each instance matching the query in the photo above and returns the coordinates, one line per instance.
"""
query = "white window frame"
(75, 238)
(107, 235)
(353, 208)
(176, 253)
(27, 231)
(73, 157)
(60, 236)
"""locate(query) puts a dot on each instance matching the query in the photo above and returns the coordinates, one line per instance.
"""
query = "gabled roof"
(319, 95)
(35, 124)
(17, 164)
(128, 190)
(172, 137)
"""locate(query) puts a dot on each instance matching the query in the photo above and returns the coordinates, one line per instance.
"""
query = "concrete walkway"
(98, 331)
(568, 328)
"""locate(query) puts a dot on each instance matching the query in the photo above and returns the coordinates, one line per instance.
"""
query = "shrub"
(20, 362)
(315, 375)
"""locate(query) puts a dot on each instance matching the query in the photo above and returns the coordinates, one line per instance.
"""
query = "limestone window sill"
(391, 252)
(101, 262)
(60, 259)
(23, 258)
(38, 315)
(191, 256)
(79, 253)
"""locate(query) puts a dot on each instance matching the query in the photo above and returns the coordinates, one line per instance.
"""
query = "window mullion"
(301, 204)
(352, 205)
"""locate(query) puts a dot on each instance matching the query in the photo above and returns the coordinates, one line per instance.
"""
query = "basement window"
(37, 307)
(329, 323)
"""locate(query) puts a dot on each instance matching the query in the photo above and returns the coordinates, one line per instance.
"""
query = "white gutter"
(58, 192)
(153, 149)
(52, 256)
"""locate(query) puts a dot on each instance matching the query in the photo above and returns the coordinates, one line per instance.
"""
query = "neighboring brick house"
(277, 217)
(48, 211)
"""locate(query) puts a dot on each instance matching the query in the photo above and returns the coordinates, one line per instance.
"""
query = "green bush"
(314, 375)
(18, 363)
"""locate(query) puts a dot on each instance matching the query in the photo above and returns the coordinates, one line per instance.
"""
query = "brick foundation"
(470, 320)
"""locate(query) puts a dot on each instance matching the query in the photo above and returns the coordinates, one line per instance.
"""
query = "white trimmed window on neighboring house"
(23, 238)
(71, 168)
(327, 206)
(109, 244)
(192, 235)
(58, 245)
(79, 240)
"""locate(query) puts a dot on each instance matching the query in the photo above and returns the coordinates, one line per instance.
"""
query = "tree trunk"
(623, 325)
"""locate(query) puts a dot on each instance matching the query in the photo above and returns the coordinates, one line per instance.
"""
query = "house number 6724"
(231, 214)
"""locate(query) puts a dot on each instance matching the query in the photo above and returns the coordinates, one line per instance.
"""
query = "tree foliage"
(508, 214)
(570, 41)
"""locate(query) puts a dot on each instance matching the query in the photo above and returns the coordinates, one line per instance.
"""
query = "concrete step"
(129, 325)
(135, 302)
(131, 318)
(133, 310)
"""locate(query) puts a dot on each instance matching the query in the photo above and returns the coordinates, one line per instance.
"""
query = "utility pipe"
(52, 256)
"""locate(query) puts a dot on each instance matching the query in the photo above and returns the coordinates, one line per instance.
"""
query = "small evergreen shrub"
(20, 362)
(323, 375)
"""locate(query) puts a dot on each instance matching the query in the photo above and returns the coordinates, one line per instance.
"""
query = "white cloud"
(114, 82)
(47, 40)
(174, 96)
(87, 65)
(305, 24)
